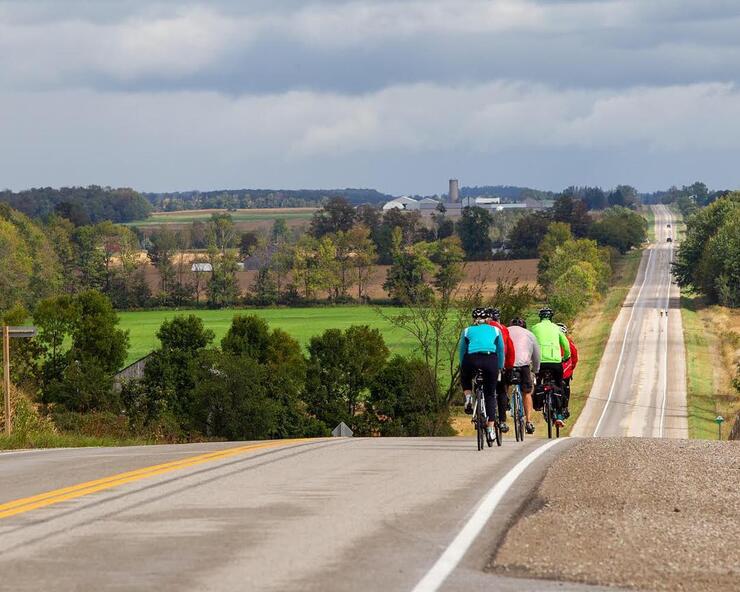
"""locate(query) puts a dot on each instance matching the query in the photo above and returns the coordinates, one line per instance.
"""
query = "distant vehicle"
(668, 225)
(669, 240)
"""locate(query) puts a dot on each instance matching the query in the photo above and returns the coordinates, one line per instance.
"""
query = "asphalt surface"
(640, 386)
(336, 514)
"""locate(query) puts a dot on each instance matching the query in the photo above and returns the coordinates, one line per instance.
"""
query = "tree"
(620, 228)
(574, 212)
(574, 290)
(231, 400)
(337, 215)
(314, 265)
(572, 252)
(624, 195)
(169, 375)
(341, 365)
(161, 250)
(248, 244)
(707, 260)
(473, 229)
(222, 232)
(402, 401)
(265, 288)
(406, 278)
(557, 234)
(524, 239)
(97, 352)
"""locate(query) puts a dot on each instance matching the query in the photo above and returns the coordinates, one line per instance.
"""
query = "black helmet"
(546, 313)
(563, 328)
(518, 322)
(479, 314)
(493, 313)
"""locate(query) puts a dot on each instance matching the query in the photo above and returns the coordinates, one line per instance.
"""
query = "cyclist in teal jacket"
(481, 347)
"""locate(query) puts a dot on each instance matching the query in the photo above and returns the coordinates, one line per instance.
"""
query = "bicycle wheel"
(519, 414)
(522, 431)
(548, 414)
(515, 413)
(480, 420)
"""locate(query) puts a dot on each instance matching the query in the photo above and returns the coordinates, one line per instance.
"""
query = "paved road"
(640, 386)
(338, 514)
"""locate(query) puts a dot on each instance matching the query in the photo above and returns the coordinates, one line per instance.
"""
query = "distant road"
(640, 386)
(320, 515)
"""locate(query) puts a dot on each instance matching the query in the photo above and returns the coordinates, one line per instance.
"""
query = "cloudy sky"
(398, 95)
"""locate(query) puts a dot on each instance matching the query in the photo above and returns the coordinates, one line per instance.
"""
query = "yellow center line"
(48, 498)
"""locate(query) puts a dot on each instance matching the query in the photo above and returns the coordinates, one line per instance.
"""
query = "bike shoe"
(566, 413)
(559, 423)
(469, 405)
(503, 427)
(529, 427)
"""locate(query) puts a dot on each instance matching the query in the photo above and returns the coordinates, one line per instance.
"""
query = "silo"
(454, 194)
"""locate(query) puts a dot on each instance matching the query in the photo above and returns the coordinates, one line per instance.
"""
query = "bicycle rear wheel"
(548, 414)
(480, 421)
(515, 414)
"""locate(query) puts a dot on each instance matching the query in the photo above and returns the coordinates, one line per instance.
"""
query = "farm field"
(301, 323)
(242, 215)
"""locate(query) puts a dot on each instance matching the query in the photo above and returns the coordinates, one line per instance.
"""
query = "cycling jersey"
(482, 339)
(509, 350)
(526, 348)
(551, 339)
(570, 364)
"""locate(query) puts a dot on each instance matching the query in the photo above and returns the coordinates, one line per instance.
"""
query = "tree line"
(708, 259)
(80, 205)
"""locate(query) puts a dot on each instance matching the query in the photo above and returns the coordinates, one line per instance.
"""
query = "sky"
(397, 95)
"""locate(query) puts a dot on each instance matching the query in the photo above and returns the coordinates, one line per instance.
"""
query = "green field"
(301, 323)
(238, 216)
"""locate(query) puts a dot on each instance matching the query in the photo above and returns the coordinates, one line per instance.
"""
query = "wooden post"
(6, 377)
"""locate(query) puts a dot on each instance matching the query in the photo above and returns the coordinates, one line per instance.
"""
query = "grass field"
(301, 323)
(189, 216)
(712, 340)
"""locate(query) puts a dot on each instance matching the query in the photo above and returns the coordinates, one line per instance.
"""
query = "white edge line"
(624, 342)
(667, 326)
(455, 551)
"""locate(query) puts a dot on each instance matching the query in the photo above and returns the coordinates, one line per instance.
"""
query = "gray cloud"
(164, 95)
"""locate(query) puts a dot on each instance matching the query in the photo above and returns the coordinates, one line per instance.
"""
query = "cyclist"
(527, 355)
(568, 366)
(481, 347)
(554, 348)
(493, 318)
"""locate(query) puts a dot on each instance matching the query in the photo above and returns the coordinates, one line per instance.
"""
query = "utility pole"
(6, 376)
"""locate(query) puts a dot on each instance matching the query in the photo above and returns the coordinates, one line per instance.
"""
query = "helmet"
(518, 322)
(479, 314)
(563, 328)
(546, 313)
(493, 313)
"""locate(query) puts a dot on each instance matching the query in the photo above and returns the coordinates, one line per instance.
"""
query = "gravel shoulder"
(646, 514)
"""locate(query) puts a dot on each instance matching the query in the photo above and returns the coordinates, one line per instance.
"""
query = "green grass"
(301, 323)
(239, 216)
(649, 215)
(701, 357)
(52, 440)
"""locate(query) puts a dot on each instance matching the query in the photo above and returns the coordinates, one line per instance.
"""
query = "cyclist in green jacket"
(551, 341)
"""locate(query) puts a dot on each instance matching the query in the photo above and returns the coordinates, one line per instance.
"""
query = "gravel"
(638, 513)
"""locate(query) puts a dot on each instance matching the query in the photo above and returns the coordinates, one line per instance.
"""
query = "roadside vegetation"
(263, 372)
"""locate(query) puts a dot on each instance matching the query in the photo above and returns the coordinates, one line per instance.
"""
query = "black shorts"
(525, 377)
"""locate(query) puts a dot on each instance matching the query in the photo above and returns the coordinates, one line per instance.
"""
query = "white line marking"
(667, 325)
(624, 342)
(449, 560)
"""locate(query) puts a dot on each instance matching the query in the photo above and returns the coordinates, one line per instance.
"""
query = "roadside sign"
(8, 334)
(342, 431)
(22, 332)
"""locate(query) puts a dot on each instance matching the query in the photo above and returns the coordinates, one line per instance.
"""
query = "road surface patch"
(650, 514)
(451, 557)
(48, 498)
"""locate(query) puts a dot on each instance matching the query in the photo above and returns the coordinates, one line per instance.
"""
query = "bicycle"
(551, 401)
(517, 404)
(480, 417)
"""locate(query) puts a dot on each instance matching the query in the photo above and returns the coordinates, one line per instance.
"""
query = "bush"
(404, 401)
